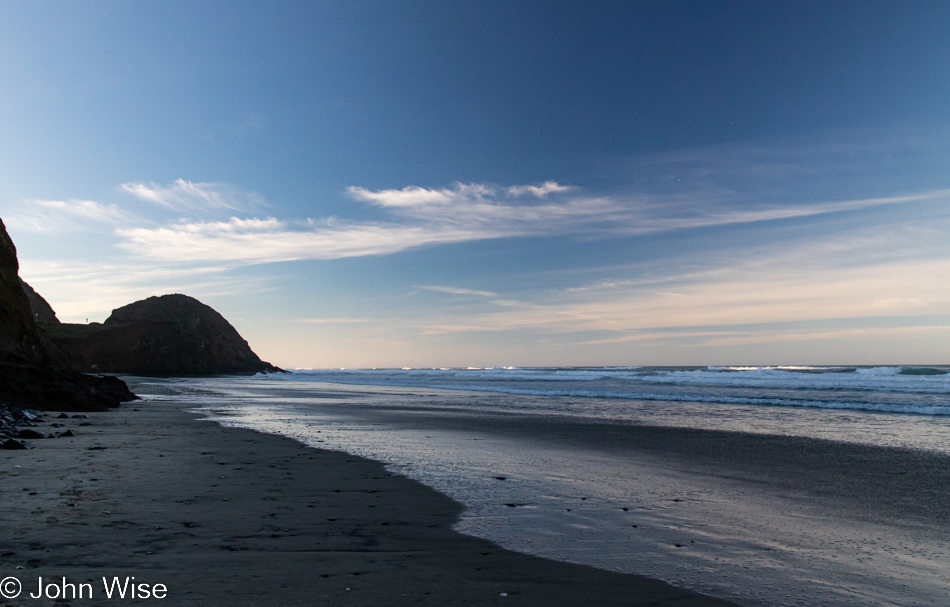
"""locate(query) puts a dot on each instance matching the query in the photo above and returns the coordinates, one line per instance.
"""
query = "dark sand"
(233, 517)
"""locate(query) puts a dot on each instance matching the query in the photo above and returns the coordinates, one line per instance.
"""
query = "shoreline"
(865, 524)
(229, 516)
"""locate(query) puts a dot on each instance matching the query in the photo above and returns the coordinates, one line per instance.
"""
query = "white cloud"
(410, 196)
(188, 196)
(422, 217)
(457, 291)
(251, 241)
(425, 217)
(548, 187)
(460, 196)
(59, 216)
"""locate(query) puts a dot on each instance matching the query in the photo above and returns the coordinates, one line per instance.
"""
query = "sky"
(425, 183)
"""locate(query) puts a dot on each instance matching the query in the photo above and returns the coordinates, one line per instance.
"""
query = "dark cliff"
(42, 311)
(171, 335)
(32, 373)
(19, 340)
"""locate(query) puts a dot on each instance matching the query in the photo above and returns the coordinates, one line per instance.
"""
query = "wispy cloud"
(658, 336)
(193, 197)
(331, 321)
(459, 194)
(58, 216)
(250, 241)
(863, 333)
(425, 217)
(745, 293)
(411, 196)
(457, 290)
(249, 122)
(421, 217)
(548, 187)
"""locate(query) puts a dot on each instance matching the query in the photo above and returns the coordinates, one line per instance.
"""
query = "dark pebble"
(27, 433)
(12, 444)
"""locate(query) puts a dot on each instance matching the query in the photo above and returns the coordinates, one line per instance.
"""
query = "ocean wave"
(879, 407)
(724, 400)
(923, 371)
(897, 379)
(903, 379)
(891, 389)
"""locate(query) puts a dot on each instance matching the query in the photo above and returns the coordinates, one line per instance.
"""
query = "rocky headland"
(49, 365)
(170, 335)
(33, 372)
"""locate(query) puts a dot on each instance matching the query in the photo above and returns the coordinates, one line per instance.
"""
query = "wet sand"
(224, 516)
(759, 519)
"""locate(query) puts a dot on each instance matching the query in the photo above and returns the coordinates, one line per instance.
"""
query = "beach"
(227, 516)
(284, 491)
(764, 505)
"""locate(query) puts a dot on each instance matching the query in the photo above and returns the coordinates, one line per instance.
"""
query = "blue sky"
(484, 183)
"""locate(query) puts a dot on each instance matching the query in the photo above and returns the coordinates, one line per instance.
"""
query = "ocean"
(763, 485)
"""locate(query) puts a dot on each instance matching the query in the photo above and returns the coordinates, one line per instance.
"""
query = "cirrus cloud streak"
(420, 217)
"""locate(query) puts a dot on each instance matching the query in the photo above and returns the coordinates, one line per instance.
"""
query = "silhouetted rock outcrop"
(19, 340)
(32, 374)
(160, 336)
